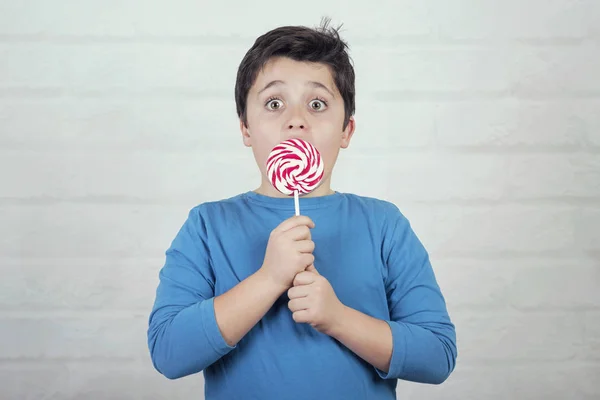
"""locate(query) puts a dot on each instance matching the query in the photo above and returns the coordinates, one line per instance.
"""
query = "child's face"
(292, 99)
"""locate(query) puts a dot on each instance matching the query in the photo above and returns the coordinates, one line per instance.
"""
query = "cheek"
(262, 144)
(261, 149)
(330, 127)
(261, 115)
(328, 152)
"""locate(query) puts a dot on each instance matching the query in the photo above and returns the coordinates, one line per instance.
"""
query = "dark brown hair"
(300, 43)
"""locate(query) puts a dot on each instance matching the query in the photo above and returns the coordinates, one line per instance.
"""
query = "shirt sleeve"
(183, 335)
(424, 337)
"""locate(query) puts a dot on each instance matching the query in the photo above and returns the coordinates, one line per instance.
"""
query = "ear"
(245, 134)
(348, 132)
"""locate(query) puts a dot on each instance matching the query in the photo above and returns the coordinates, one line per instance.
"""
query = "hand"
(289, 250)
(313, 301)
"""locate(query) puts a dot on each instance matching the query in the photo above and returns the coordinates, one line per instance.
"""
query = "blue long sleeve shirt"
(366, 249)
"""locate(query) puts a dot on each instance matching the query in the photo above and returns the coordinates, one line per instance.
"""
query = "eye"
(274, 104)
(318, 105)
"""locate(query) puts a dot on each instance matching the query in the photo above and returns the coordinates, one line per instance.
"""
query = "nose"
(297, 121)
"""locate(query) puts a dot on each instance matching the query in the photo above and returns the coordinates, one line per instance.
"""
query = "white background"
(479, 119)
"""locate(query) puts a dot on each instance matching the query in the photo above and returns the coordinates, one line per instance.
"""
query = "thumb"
(312, 268)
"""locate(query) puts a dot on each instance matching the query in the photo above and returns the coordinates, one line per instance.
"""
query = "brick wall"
(480, 119)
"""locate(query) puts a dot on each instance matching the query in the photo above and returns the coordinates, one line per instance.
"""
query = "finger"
(307, 259)
(298, 292)
(311, 268)
(304, 278)
(301, 316)
(298, 304)
(305, 246)
(301, 232)
(293, 222)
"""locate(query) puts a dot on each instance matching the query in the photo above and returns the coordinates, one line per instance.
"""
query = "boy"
(338, 303)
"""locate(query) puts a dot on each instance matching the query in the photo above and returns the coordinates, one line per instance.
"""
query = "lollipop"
(295, 167)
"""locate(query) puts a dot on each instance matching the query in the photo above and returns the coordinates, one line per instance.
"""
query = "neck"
(266, 189)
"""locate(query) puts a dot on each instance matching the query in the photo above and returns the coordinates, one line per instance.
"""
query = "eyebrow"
(314, 84)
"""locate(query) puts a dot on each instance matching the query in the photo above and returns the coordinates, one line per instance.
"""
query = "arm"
(369, 338)
(418, 342)
(189, 328)
(240, 308)
(424, 338)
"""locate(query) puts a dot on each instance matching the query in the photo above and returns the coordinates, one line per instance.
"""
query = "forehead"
(294, 72)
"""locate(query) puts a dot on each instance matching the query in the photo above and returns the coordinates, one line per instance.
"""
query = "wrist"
(271, 285)
(339, 322)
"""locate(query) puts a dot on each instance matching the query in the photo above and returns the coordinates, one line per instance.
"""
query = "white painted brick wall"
(480, 119)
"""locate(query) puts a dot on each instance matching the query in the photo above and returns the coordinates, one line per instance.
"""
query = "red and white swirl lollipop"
(295, 167)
